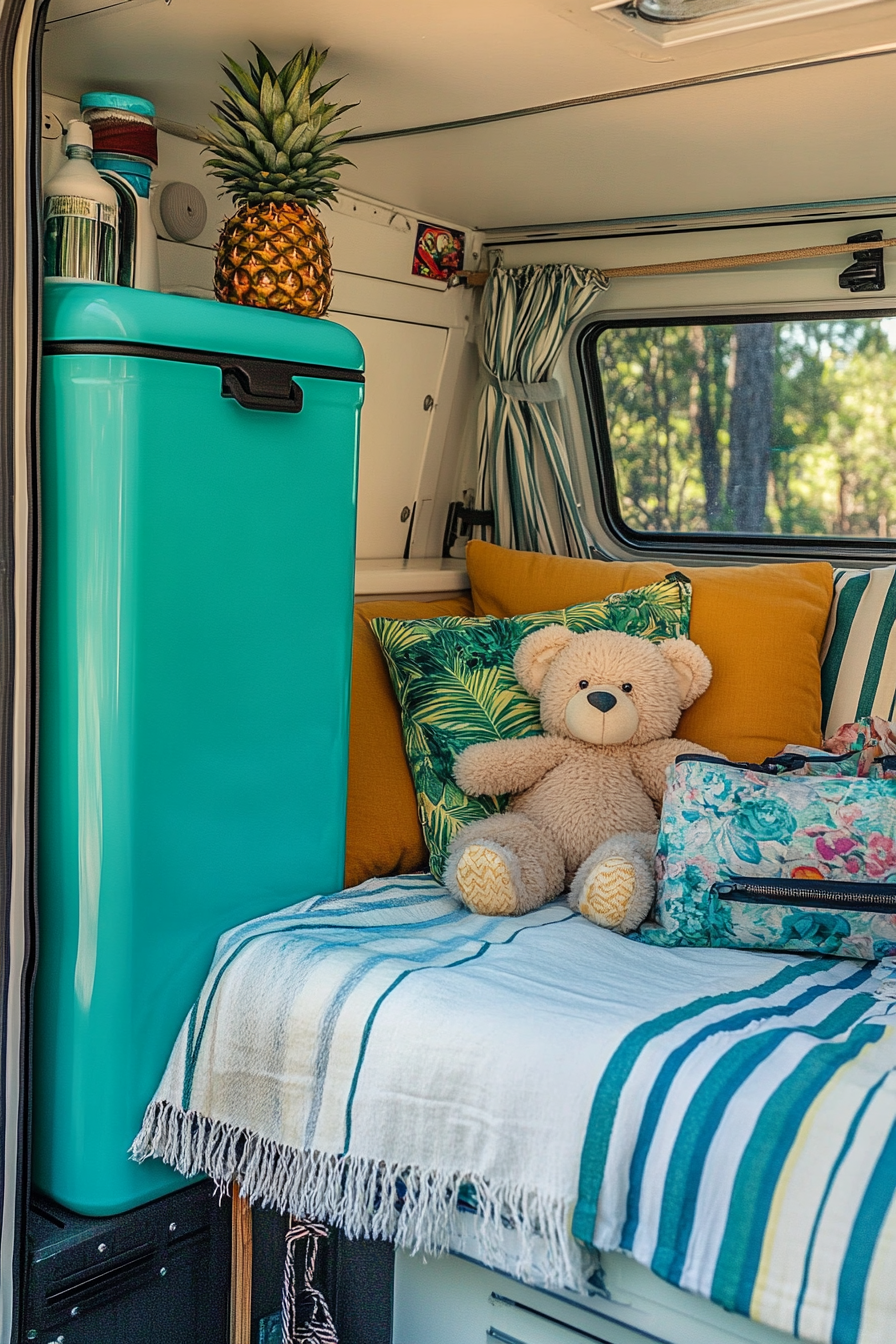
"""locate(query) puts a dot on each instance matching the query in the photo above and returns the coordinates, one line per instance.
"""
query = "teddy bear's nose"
(602, 700)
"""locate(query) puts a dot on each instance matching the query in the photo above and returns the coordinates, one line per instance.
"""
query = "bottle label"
(81, 206)
(80, 238)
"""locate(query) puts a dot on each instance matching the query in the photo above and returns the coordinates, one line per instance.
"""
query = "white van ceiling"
(817, 133)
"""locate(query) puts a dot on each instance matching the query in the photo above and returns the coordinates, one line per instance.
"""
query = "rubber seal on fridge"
(181, 355)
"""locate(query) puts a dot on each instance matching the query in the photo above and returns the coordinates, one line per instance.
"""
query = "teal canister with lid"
(125, 152)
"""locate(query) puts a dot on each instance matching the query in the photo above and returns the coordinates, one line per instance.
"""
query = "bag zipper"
(788, 760)
(774, 765)
(859, 896)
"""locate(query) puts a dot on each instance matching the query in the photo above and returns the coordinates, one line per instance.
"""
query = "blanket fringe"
(416, 1209)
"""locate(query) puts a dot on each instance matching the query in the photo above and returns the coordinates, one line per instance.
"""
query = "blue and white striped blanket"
(386, 1061)
(743, 1146)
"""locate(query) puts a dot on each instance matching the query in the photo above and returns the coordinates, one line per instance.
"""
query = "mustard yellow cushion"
(383, 834)
(761, 626)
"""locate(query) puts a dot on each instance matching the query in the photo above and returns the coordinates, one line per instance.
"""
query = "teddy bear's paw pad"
(608, 892)
(486, 882)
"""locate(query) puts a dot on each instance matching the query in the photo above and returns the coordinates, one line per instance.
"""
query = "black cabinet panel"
(159, 1274)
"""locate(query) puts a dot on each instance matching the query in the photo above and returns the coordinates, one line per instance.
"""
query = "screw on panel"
(32, 1334)
(73, 1312)
(172, 1227)
(428, 402)
(405, 514)
(102, 1248)
(163, 1271)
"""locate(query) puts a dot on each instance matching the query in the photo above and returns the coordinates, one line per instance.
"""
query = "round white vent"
(179, 211)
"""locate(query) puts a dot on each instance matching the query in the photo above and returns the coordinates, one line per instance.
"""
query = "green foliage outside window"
(786, 428)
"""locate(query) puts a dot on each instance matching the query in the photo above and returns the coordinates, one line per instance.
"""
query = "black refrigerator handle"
(262, 385)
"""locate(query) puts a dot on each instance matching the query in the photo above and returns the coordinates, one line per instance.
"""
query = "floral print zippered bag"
(787, 856)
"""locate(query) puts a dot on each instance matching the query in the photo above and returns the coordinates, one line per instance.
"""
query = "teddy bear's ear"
(691, 666)
(536, 653)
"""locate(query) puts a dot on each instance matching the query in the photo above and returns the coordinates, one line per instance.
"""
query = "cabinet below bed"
(450, 1300)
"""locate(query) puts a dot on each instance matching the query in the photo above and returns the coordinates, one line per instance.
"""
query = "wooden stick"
(240, 1269)
(478, 278)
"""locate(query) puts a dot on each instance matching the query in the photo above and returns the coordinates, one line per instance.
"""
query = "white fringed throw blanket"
(385, 1061)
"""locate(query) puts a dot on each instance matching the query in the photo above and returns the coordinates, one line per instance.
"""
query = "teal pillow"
(453, 677)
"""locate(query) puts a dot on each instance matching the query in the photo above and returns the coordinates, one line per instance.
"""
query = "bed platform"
(456, 1300)
(539, 1095)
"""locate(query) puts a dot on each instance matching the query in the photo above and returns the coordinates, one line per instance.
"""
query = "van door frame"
(21, 27)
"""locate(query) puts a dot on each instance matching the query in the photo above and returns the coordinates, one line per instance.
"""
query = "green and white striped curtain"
(526, 471)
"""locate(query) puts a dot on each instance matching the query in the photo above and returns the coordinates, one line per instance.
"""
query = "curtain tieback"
(548, 390)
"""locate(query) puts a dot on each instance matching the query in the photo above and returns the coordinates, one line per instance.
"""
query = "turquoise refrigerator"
(198, 480)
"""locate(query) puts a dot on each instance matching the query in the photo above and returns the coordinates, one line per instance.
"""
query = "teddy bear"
(585, 794)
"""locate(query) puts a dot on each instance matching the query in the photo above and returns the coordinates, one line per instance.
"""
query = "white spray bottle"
(80, 215)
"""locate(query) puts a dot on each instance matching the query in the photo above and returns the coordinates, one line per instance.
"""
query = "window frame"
(711, 546)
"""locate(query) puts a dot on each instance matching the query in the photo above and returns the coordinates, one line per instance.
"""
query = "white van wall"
(421, 363)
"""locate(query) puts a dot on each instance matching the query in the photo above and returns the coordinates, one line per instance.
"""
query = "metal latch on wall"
(866, 274)
(460, 523)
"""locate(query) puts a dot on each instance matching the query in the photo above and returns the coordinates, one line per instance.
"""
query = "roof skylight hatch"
(671, 22)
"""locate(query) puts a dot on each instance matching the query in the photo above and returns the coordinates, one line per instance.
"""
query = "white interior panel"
(809, 282)
(403, 368)
(813, 134)
(407, 65)
(448, 1300)
(778, 139)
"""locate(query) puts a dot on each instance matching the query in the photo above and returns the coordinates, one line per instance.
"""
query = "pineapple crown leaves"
(270, 143)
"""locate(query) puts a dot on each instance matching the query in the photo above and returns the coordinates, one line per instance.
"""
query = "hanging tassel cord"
(478, 278)
(306, 1316)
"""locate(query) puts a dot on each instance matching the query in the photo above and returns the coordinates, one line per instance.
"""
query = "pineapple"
(273, 156)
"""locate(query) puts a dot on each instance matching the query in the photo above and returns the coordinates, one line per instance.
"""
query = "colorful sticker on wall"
(439, 251)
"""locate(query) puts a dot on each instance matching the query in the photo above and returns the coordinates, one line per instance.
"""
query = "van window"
(755, 427)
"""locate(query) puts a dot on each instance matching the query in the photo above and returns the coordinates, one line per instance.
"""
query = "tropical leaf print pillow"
(453, 677)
